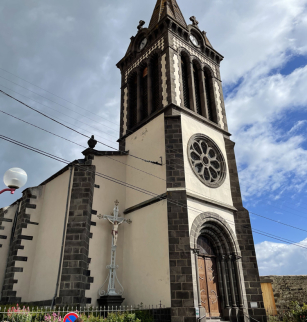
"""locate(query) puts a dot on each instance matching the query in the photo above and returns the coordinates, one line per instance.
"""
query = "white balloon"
(15, 178)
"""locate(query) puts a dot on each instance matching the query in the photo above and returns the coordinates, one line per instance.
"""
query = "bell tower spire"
(166, 8)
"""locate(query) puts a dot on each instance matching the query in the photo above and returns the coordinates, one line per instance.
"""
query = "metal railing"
(47, 314)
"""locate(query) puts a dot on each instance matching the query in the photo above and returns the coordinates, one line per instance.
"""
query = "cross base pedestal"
(110, 300)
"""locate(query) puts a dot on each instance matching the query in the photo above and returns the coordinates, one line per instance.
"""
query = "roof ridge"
(166, 8)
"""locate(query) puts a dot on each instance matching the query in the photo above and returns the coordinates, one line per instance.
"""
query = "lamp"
(14, 178)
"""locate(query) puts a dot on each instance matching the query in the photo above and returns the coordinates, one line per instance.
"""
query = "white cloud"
(279, 259)
(297, 126)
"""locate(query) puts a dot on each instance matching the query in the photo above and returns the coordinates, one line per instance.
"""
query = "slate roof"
(162, 9)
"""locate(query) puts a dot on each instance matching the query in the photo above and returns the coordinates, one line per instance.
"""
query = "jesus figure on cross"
(115, 229)
(115, 221)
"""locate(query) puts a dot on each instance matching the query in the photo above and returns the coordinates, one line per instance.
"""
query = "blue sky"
(70, 48)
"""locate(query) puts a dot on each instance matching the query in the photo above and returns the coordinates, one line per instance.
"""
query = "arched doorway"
(208, 278)
(218, 269)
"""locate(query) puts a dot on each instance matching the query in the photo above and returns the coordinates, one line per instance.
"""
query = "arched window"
(155, 82)
(185, 82)
(197, 89)
(144, 93)
(209, 100)
(133, 101)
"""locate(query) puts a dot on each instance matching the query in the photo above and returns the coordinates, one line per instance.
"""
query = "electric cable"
(58, 96)
(140, 189)
(41, 113)
(50, 108)
(279, 222)
(58, 104)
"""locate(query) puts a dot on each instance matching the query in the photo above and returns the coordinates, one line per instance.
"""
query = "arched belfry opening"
(217, 267)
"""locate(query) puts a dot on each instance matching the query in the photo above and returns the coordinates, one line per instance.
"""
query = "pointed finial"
(141, 24)
(92, 142)
(194, 21)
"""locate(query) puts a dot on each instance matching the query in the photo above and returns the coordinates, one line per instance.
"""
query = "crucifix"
(115, 220)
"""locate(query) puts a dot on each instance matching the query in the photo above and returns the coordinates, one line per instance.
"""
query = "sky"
(70, 49)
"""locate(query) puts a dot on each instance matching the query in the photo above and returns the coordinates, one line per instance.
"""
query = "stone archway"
(217, 268)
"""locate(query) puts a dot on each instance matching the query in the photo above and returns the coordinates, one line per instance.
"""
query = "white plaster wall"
(147, 143)
(37, 282)
(146, 276)
(100, 243)
(4, 250)
(190, 127)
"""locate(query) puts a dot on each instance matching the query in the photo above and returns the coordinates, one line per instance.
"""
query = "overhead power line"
(45, 115)
(59, 96)
(136, 187)
(78, 120)
(264, 217)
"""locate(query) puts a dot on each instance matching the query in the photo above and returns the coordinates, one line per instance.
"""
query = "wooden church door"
(208, 285)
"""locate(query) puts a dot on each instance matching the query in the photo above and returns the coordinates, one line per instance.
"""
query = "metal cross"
(194, 21)
(115, 220)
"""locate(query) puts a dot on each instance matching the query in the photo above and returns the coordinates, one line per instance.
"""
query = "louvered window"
(133, 101)
(197, 90)
(208, 96)
(185, 83)
(144, 93)
(155, 84)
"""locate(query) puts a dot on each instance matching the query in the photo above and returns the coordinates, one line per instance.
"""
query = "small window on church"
(209, 101)
(185, 82)
(197, 89)
(144, 93)
(133, 101)
(155, 84)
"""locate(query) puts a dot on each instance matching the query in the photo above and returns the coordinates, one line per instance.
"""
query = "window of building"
(155, 84)
(209, 100)
(144, 93)
(133, 101)
(197, 89)
(185, 82)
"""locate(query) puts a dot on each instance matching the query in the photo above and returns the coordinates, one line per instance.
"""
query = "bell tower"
(171, 72)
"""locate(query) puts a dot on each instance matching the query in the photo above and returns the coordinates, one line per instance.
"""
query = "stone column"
(139, 95)
(149, 86)
(232, 287)
(191, 86)
(227, 308)
(196, 252)
(237, 272)
(220, 282)
(222, 263)
(202, 90)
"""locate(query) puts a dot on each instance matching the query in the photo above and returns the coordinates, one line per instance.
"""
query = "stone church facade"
(190, 243)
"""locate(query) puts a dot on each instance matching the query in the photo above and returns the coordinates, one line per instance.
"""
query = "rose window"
(206, 160)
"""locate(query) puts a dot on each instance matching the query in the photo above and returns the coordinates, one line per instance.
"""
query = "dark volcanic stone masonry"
(178, 227)
(75, 277)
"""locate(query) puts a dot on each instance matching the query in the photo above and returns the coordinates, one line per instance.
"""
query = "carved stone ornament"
(206, 160)
(141, 24)
(194, 21)
(92, 142)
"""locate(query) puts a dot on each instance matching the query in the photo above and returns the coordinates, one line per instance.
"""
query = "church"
(161, 220)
